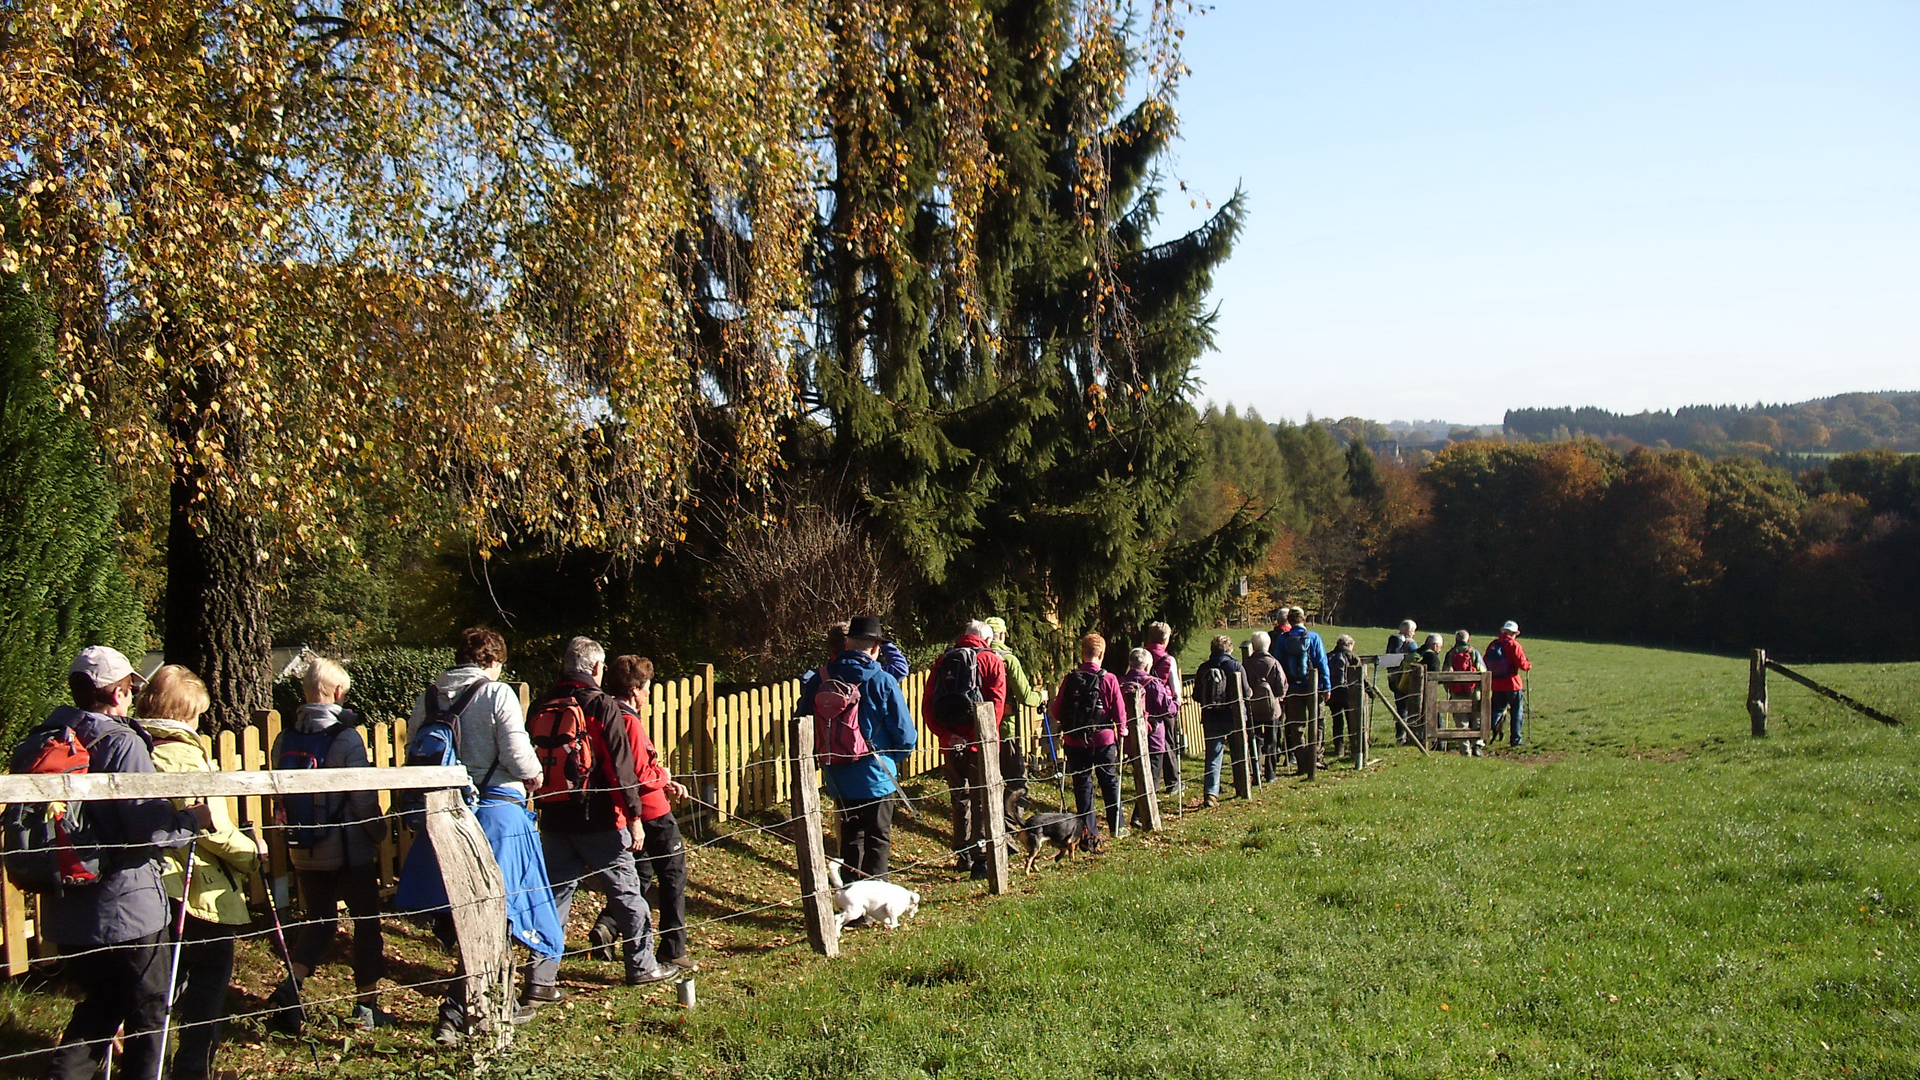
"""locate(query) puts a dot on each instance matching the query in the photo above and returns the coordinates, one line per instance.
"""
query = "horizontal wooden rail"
(1829, 692)
(43, 787)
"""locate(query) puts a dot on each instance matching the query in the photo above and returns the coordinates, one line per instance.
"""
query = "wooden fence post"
(810, 843)
(1243, 772)
(13, 916)
(990, 799)
(476, 893)
(1757, 692)
(1310, 763)
(1146, 798)
(1363, 737)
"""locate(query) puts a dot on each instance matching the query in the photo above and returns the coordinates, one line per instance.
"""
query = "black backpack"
(1210, 685)
(956, 689)
(311, 820)
(1081, 709)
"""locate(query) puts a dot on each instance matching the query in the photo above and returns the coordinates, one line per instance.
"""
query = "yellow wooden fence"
(729, 751)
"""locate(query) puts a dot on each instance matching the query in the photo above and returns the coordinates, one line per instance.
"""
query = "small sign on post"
(990, 795)
(810, 843)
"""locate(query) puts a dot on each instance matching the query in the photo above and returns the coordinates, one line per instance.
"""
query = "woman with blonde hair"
(170, 707)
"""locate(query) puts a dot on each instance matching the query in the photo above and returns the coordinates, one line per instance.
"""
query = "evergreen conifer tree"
(61, 585)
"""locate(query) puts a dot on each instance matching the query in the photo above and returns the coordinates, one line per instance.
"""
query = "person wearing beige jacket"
(170, 707)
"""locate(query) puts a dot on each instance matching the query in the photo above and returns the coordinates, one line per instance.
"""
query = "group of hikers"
(572, 792)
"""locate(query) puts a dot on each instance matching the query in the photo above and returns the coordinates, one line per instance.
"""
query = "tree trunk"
(216, 611)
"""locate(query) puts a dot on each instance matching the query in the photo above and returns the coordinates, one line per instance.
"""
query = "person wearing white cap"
(127, 906)
(1505, 661)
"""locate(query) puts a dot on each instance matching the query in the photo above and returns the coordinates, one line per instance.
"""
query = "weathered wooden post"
(476, 893)
(1243, 773)
(1146, 799)
(810, 843)
(1310, 763)
(1757, 692)
(990, 795)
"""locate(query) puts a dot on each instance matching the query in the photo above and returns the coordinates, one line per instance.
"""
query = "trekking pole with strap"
(173, 969)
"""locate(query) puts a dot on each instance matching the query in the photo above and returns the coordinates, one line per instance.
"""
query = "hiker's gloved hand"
(202, 815)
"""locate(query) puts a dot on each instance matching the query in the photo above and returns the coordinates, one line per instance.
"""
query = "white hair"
(1141, 660)
(583, 655)
(1408, 626)
(980, 630)
(1261, 641)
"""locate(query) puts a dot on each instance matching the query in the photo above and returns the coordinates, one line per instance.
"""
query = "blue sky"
(1461, 207)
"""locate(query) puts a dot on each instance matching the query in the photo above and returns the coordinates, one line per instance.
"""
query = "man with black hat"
(125, 907)
(863, 784)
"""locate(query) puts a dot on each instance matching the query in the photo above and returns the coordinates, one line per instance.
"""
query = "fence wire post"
(1757, 692)
(1243, 774)
(990, 798)
(810, 843)
(1146, 796)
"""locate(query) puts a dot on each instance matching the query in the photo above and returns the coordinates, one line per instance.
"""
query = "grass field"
(1645, 891)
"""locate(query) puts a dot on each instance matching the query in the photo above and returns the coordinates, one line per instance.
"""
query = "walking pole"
(173, 971)
(279, 933)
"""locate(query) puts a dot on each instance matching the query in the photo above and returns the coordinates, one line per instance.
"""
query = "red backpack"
(837, 736)
(51, 847)
(568, 748)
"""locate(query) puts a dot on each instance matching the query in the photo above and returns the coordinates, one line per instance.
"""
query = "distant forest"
(1827, 425)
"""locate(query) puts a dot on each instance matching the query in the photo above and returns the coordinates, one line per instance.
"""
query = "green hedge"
(386, 682)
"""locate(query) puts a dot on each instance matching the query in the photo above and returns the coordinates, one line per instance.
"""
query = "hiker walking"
(1506, 661)
(661, 857)
(1464, 657)
(1166, 668)
(1020, 693)
(863, 734)
(170, 708)
(97, 870)
(468, 717)
(1216, 689)
(1092, 716)
(591, 809)
(1157, 700)
(333, 842)
(1343, 674)
(968, 674)
(1266, 689)
(1403, 681)
(1303, 657)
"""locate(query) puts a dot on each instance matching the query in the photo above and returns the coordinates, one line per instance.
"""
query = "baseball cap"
(104, 666)
(1509, 627)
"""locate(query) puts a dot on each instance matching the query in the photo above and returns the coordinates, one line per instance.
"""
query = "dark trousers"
(200, 996)
(1345, 726)
(602, 861)
(1508, 702)
(663, 859)
(1088, 763)
(1013, 765)
(323, 890)
(125, 985)
(1166, 764)
(866, 836)
(966, 792)
(1301, 739)
(1409, 706)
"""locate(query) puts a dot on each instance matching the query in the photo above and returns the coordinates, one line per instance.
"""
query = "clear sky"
(1462, 206)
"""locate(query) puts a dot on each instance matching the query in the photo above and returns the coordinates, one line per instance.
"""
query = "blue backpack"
(309, 817)
(436, 742)
(1499, 664)
(1293, 655)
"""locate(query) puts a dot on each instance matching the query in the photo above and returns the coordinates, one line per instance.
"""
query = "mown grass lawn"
(1644, 891)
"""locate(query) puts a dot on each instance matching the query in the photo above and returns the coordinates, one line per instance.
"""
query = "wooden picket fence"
(729, 751)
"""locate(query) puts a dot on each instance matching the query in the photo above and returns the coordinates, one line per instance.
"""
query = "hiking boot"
(685, 963)
(447, 1033)
(980, 871)
(543, 994)
(601, 942)
(371, 1017)
(289, 1015)
(654, 974)
(524, 1013)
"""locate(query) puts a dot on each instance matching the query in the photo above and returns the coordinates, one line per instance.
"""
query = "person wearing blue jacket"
(865, 789)
(1303, 658)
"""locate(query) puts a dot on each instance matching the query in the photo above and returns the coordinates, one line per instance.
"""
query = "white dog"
(868, 900)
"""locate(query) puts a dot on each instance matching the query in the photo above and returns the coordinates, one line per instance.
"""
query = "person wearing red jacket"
(947, 709)
(662, 855)
(1506, 660)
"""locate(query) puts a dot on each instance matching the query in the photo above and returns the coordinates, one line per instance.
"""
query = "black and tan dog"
(1064, 832)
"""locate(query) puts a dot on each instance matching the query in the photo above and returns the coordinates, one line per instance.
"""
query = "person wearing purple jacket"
(1160, 707)
(1091, 716)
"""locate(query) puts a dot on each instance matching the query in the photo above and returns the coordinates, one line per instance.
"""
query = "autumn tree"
(295, 252)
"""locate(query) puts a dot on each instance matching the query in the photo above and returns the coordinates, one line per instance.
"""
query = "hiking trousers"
(967, 792)
(662, 859)
(1088, 764)
(125, 985)
(322, 891)
(602, 860)
(866, 837)
(1505, 702)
